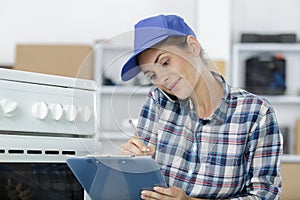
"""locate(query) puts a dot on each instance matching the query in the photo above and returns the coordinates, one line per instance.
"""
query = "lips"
(173, 85)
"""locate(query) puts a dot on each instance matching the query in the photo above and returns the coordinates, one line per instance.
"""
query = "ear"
(193, 44)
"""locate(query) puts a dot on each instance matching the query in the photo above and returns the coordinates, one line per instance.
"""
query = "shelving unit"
(109, 59)
(287, 106)
(121, 90)
(120, 101)
(290, 158)
(291, 52)
(284, 99)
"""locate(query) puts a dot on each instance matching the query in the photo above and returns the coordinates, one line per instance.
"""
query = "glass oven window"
(35, 181)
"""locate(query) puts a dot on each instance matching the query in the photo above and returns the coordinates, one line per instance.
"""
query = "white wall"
(77, 21)
(265, 17)
(217, 23)
(214, 27)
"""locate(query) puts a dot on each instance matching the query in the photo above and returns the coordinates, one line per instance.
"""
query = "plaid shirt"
(233, 154)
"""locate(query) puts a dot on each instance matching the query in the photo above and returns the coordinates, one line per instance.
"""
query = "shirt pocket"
(225, 166)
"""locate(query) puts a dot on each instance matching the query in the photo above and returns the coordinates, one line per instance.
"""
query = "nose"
(162, 77)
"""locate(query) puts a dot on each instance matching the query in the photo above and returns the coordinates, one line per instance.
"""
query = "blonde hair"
(181, 42)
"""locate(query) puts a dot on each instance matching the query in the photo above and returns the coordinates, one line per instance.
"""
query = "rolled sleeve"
(263, 180)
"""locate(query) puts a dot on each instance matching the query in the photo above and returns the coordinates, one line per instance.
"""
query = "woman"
(211, 140)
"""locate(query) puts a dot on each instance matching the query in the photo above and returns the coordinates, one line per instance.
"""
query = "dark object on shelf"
(265, 38)
(6, 66)
(285, 134)
(108, 81)
(266, 76)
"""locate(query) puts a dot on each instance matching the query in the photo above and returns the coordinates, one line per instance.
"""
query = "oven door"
(34, 167)
(37, 181)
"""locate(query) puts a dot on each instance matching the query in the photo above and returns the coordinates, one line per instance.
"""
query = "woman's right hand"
(134, 146)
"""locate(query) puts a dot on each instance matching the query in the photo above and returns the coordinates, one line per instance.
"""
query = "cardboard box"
(220, 64)
(290, 179)
(64, 60)
(297, 142)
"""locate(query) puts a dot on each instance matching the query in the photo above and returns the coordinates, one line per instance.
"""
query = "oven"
(44, 119)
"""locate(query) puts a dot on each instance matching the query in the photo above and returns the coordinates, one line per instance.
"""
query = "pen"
(133, 128)
(135, 131)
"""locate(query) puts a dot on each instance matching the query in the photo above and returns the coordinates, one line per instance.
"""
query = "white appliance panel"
(28, 107)
(44, 119)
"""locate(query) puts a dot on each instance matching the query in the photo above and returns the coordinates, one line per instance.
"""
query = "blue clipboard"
(121, 178)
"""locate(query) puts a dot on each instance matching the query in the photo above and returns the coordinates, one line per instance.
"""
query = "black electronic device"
(268, 38)
(266, 75)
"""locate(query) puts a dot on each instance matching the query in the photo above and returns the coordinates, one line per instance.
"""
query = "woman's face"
(171, 69)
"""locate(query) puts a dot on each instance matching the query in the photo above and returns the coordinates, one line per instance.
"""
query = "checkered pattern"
(233, 154)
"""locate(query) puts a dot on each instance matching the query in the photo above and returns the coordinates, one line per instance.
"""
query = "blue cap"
(149, 32)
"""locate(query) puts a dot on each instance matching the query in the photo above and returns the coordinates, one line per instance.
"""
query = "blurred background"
(255, 44)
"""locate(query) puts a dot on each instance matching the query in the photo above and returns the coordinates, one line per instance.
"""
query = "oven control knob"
(84, 113)
(56, 111)
(40, 110)
(71, 112)
(8, 106)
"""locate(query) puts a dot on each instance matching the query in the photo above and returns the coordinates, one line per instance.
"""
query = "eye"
(151, 76)
(166, 63)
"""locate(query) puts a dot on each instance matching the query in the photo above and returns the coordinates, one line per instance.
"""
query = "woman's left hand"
(171, 193)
